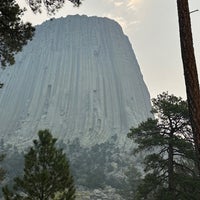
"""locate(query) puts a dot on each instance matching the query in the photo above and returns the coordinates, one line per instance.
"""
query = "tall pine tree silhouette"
(46, 173)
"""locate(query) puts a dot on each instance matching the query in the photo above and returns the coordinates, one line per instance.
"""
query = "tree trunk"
(171, 168)
(190, 72)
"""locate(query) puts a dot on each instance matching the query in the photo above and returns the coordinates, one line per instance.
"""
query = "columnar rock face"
(79, 78)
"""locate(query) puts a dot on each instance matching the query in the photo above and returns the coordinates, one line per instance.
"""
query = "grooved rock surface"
(78, 77)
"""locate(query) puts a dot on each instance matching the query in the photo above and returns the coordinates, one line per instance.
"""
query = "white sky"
(152, 28)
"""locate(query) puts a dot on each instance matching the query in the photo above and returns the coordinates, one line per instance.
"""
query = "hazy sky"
(152, 28)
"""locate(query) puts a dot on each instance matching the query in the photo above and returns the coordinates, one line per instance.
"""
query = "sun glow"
(130, 4)
(133, 3)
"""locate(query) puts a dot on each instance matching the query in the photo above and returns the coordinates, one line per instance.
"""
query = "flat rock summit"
(78, 77)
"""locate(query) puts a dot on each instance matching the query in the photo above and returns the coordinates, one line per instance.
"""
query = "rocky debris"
(108, 193)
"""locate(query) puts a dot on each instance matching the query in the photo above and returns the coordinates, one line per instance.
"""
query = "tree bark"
(190, 72)
(171, 168)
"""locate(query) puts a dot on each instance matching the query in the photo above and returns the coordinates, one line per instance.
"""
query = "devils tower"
(79, 78)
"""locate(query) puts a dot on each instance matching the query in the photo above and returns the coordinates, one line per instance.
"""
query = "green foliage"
(169, 152)
(131, 184)
(13, 158)
(97, 166)
(14, 34)
(89, 164)
(2, 171)
(46, 173)
(51, 5)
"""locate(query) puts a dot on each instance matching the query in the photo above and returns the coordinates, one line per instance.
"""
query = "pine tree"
(46, 173)
(169, 154)
(2, 171)
(14, 34)
(51, 5)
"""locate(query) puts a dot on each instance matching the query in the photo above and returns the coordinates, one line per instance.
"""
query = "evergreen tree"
(51, 5)
(130, 186)
(46, 173)
(14, 34)
(169, 155)
(2, 171)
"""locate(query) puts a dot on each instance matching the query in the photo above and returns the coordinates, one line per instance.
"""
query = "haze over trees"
(46, 173)
(2, 171)
(169, 155)
(174, 167)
